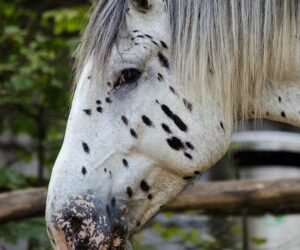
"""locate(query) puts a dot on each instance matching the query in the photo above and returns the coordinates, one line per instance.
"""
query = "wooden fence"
(217, 198)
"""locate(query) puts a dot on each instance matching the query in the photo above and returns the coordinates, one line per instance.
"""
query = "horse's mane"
(232, 47)
(226, 47)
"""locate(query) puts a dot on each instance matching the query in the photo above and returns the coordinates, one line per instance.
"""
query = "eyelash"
(127, 76)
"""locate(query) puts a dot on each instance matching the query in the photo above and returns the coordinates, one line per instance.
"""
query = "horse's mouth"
(80, 241)
(84, 224)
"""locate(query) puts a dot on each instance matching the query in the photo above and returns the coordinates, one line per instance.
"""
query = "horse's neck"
(280, 101)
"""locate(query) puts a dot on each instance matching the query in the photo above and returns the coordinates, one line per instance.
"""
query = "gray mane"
(226, 47)
(232, 47)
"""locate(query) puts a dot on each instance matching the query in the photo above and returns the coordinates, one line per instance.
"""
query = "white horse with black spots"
(159, 87)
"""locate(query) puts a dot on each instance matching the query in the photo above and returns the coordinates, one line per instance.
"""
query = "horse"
(159, 87)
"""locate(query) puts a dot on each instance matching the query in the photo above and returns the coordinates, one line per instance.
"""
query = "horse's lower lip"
(61, 245)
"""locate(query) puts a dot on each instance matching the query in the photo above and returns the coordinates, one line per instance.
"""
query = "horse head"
(153, 109)
(133, 139)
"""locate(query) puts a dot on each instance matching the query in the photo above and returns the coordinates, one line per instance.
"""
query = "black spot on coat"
(175, 143)
(154, 42)
(222, 126)
(147, 121)
(190, 145)
(144, 186)
(83, 171)
(160, 77)
(163, 60)
(85, 147)
(176, 119)
(189, 156)
(124, 120)
(188, 105)
(164, 44)
(166, 128)
(125, 163)
(133, 133)
(108, 100)
(87, 111)
(173, 90)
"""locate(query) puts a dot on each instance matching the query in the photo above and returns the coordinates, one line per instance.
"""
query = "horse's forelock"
(103, 29)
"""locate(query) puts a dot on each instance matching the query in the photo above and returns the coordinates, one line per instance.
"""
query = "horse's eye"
(127, 76)
(130, 75)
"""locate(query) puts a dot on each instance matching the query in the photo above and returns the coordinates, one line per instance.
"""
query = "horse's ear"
(142, 4)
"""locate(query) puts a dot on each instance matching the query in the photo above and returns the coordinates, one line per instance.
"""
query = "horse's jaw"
(85, 217)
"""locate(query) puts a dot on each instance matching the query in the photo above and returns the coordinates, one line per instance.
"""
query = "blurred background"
(37, 40)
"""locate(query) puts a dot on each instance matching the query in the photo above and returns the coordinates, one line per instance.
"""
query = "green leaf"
(34, 229)
(259, 240)
(10, 179)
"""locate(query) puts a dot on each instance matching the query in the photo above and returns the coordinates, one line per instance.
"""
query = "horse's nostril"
(81, 244)
(79, 234)
(76, 224)
(119, 229)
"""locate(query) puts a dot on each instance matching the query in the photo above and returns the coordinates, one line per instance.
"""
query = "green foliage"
(192, 236)
(258, 240)
(36, 70)
(65, 20)
(12, 180)
(36, 41)
(137, 245)
(32, 229)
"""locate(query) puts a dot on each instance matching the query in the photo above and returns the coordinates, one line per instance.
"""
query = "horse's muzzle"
(86, 224)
